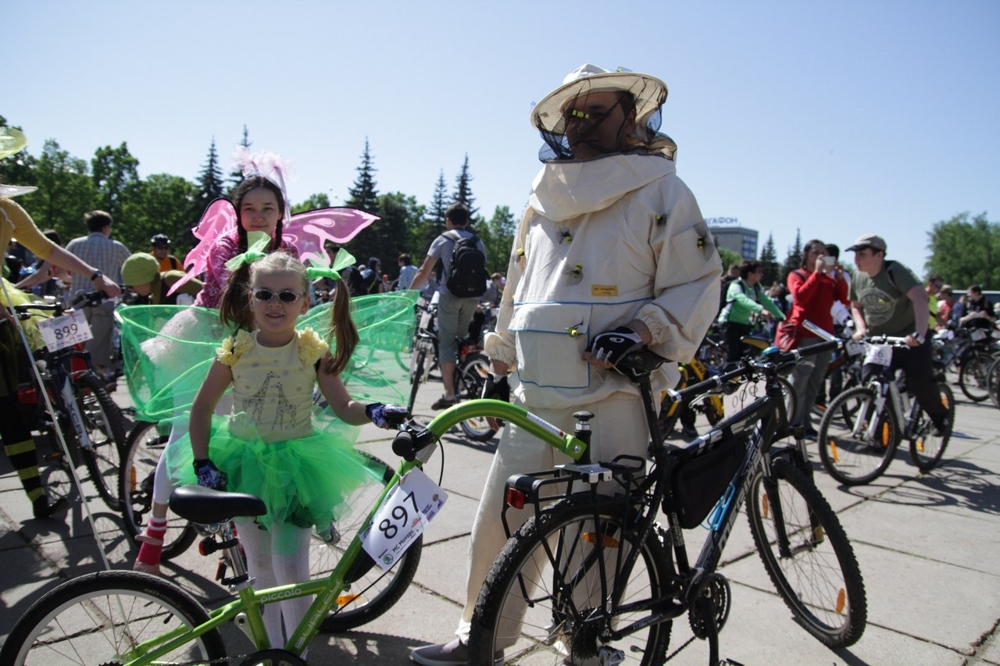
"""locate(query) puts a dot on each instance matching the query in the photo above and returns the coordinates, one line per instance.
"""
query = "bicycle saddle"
(207, 506)
(640, 363)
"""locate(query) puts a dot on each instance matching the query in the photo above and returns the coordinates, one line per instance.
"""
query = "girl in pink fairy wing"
(260, 206)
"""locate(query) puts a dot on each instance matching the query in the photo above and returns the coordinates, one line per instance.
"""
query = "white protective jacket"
(603, 242)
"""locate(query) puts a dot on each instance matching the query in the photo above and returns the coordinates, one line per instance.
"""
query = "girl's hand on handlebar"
(386, 416)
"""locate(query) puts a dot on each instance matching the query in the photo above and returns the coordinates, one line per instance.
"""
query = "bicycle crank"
(714, 590)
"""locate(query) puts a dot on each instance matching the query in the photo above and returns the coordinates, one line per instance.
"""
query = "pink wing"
(309, 230)
(218, 219)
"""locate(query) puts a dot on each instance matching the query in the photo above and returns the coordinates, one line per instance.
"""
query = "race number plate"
(65, 331)
(878, 354)
(855, 348)
(402, 518)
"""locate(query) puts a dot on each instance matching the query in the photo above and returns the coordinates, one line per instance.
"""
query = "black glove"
(496, 389)
(612, 346)
(209, 476)
(386, 416)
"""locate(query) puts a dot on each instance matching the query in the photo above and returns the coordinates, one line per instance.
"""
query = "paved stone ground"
(927, 546)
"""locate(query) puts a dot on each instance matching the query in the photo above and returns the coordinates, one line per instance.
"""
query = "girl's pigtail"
(234, 308)
(344, 331)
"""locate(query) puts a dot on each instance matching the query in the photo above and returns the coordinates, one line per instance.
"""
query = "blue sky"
(833, 118)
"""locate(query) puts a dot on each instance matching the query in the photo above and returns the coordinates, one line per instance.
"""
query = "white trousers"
(618, 427)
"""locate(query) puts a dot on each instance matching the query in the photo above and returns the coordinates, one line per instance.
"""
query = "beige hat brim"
(649, 92)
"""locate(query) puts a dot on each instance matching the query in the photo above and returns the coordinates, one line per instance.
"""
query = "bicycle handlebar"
(85, 298)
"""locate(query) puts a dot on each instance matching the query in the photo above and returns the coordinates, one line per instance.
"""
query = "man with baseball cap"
(612, 254)
(887, 299)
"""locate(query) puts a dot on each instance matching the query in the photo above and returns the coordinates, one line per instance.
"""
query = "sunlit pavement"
(927, 545)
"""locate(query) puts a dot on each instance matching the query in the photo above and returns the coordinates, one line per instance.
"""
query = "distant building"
(730, 235)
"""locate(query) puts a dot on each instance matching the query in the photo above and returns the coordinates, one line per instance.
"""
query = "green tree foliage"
(728, 258)
(116, 176)
(386, 239)
(463, 188)
(364, 193)
(158, 206)
(65, 192)
(210, 187)
(314, 202)
(794, 259)
(498, 236)
(769, 262)
(966, 251)
(433, 224)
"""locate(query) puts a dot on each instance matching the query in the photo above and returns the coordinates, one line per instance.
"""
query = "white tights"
(271, 569)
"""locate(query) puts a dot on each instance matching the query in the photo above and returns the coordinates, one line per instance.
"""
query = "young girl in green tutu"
(270, 446)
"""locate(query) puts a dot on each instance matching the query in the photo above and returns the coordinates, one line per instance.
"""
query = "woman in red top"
(814, 288)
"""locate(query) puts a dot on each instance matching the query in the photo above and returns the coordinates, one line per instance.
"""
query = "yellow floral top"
(272, 386)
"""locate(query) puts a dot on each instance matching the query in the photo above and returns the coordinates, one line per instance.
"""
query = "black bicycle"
(592, 575)
(471, 371)
(90, 421)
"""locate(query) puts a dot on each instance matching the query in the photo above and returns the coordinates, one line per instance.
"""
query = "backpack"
(467, 277)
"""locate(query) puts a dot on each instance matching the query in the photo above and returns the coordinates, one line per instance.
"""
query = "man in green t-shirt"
(887, 299)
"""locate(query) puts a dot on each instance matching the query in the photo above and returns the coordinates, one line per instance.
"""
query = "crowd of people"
(611, 254)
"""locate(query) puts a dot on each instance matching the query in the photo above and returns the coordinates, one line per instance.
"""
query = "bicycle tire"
(926, 448)
(993, 381)
(417, 374)
(143, 449)
(816, 573)
(470, 378)
(376, 591)
(791, 399)
(972, 375)
(106, 430)
(845, 449)
(548, 634)
(82, 622)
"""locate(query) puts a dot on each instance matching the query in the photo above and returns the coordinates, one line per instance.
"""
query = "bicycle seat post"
(583, 433)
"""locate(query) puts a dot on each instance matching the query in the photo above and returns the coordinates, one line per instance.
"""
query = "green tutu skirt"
(302, 481)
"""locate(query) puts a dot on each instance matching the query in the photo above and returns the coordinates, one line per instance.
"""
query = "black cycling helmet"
(159, 240)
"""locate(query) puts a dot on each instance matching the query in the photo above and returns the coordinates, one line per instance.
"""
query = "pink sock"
(152, 541)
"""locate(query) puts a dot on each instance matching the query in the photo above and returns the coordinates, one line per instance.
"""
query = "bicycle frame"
(759, 423)
(354, 561)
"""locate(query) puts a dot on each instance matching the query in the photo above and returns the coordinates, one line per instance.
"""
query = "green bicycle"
(130, 618)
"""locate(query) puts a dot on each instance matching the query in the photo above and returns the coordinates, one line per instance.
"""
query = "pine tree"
(794, 259)
(769, 262)
(236, 175)
(364, 194)
(463, 188)
(210, 188)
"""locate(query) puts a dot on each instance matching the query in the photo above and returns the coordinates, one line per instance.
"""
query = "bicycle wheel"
(418, 372)
(143, 449)
(791, 399)
(106, 430)
(926, 448)
(859, 450)
(99, 618)
(993, 381)
(375, 591)
(549, 578)
(807, 555)
(470, 379)
(972, 376)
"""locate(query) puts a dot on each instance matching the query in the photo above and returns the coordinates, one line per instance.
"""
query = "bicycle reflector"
(514, 498)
